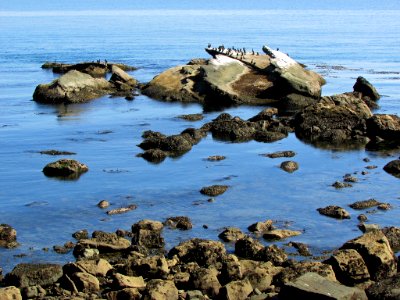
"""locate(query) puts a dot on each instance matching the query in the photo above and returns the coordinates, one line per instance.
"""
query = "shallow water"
(340, 44)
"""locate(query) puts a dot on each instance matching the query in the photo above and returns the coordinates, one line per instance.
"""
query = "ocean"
(340, 40)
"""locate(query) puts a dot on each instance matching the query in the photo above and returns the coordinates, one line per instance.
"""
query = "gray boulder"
(72, 87)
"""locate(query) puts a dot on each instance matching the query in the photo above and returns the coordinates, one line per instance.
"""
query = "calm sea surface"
(341, 44)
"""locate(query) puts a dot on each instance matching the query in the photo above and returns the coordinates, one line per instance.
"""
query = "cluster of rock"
(85, 81)
(111, 266)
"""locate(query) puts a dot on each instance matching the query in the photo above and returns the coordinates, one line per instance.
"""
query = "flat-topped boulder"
(235, 77)
(72, 87)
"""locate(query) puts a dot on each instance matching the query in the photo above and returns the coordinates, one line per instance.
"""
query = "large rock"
(24, 275)
(238, 290)
(393, 167)
(203, 252)
(384, 126)
(72, 87)
(66, 168)
(147, 233)
(8, 236)
(313, 286)
(206, 280)
(334, 120)
(376, 252)
(349, 267)
(231, 77)
(158, 289)
(364, 87)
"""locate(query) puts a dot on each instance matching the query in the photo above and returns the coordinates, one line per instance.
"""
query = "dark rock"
(155, 266)
(386, 127)
(301, 248)
(362, 218)
(334, 120)
(65, 168)
(393, 168)
(280, 154)
(334, 212)
(273, 254)
(56, 152)
(81, 234)
(231, 234)
(349, 267)
(364, 204)
(214, 190)
(350, 178)
(203, 252)
(387, 289)
(154, 155)
(363, 86)
(375, 250)
(293, 103)
(384, 206)
(24, 275)
(289, 166)
(180, 222)
(266, 136)
(313, 286)
(393, 236)
(248, 248)
(261, 227)
(235, 129)
(8, 236)
(341, 185)
(147, 233)
(265, 115)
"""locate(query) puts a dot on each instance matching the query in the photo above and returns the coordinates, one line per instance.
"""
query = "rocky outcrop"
(334, 120)
(24, 275)
(73, 87)
(376, 252)
(366, 89)
(84, 82)
(231, 77)
(8, 236)
(65, 168)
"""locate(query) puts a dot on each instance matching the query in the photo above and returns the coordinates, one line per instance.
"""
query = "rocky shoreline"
(133, 264)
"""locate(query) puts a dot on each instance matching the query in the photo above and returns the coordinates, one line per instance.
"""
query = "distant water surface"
(341, 44)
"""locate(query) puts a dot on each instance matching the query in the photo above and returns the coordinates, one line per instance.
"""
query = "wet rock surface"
(214, 190)
(289, 166)
(179, 222)
(393, 168)
(365, 204)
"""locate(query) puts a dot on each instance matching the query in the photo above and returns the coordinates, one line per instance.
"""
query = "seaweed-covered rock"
(8, 236)
(203, 252)
(386, 289)
(66, 168)
(147, 233)
(214, 190)
(24, 275)
(393, 236)
(364, 204)
(334, 120)
(349, 267)
(180, 222)
(375, 250)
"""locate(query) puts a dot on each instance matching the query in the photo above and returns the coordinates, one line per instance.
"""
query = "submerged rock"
(364, 204)
(280, 154)
(214, 190)
(66, 168)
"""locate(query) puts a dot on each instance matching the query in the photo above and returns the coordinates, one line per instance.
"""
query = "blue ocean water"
(340, 40)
